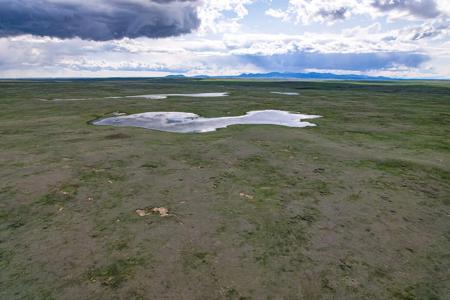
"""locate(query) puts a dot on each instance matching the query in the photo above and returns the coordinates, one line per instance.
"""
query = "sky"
(141, 38)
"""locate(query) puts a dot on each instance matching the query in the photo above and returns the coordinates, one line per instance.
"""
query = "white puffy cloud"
(213, 19)
(330, 11)
(308, 11)
(278, 13)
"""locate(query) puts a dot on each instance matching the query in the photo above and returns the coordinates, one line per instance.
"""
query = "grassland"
(356, 208)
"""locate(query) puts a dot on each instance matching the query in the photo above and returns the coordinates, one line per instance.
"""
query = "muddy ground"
(355, 208)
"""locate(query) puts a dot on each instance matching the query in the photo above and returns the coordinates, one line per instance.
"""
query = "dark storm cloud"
(293, 62)
(98, 19)
(418, 8)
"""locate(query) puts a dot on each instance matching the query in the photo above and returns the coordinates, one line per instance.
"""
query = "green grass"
(114, 274)
(195, 259)
(355, 208)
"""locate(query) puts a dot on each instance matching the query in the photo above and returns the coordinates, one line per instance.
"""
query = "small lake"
(165, 96)
(285, 93)
(183, 122)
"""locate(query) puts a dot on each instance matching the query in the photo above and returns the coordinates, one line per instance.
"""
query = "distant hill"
(312, 75)
(175, 76)
(279, 75)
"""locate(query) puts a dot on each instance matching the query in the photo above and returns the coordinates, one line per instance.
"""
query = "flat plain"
(355, 208)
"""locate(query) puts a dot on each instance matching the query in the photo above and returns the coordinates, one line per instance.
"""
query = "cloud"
(418, 8)
(351, 41)
(222, 15)
(277, 13)
(427, 30)
(230, 54)
(334, 14)
(430, 30)
(98, 20)
(307, 11)
(299, 61)
(329, 11)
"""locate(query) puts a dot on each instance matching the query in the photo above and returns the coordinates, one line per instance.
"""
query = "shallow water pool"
(285, 93)
(183, 122)
(165, 96)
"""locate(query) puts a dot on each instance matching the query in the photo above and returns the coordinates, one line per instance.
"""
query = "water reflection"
(165, 96)
(285, 93)
(191, 123)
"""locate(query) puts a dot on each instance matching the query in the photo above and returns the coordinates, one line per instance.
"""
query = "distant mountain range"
(278, 75)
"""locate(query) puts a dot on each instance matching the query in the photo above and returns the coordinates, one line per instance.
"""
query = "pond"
(183, 122)
(165, 96)
(285, 93)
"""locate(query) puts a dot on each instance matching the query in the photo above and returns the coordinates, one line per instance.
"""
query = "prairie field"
(354, 208)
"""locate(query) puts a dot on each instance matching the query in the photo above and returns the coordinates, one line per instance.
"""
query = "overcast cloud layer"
(74, 38)
(98, 20)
